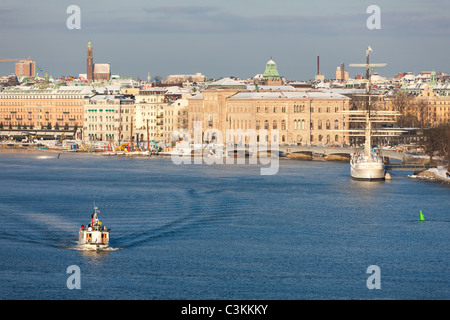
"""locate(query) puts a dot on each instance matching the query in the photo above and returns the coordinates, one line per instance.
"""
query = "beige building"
(175, 117)
(149, 105)
(302, 117)
(108, 118)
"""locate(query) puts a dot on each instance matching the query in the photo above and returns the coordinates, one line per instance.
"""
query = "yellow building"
(427, 107)
(50, 108)
(438, 107)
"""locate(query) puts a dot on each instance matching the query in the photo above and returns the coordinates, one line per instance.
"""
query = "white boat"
(369, 164)
(95, 235)
(367, 167)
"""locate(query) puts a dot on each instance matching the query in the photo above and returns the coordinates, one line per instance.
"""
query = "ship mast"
(368, 120)
(368, 133)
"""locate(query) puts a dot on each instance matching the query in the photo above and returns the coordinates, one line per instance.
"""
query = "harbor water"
(218, 231)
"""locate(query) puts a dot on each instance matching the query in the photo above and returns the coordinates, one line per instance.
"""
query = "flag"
(39, 68)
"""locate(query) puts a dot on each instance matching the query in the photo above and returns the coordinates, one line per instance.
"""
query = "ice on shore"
(439, 173)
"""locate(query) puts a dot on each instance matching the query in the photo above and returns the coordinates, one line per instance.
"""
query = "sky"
(226, 38)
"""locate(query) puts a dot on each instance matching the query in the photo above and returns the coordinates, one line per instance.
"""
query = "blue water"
(217, 231)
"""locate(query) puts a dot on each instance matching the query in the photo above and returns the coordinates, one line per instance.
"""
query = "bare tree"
(438, 142)
(183, 118)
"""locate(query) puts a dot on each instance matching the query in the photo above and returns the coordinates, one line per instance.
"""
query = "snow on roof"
(197, 96)
(102, 68)
(226, 82)
(289, 95)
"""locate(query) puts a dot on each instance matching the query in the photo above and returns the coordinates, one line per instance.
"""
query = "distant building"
(341, 74)
(25, 68)
(271, 77)
(96, 72)
(182, 78)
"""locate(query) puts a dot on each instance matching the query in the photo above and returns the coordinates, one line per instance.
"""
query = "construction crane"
(3, 59)
(24, 66)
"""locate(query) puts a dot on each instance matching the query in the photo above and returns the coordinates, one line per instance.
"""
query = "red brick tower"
(90, 62)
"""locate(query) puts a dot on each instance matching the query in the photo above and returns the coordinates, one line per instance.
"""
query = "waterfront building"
(102, 118)
(175, 116)
(149, 113)
(308, 117)
(46, 108)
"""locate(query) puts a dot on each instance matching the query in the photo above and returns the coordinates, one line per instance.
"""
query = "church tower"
(90, 63)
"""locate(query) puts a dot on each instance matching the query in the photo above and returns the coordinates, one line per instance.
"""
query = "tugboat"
(94, 235)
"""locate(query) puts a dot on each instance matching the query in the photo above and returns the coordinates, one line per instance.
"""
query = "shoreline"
(315, 155)
(430, 176)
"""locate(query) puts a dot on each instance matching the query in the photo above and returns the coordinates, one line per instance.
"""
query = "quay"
(407, 162)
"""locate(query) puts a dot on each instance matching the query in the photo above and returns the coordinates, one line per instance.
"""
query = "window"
(328, 125)
(274, 125)
(336, 124)
(319, 126)
(266, 124)
(283, 124)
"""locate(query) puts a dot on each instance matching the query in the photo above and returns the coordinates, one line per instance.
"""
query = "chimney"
(318, 65)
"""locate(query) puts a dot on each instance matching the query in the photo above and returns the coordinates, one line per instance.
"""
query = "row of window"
(298, 124)
(47, 117)
(41, 103)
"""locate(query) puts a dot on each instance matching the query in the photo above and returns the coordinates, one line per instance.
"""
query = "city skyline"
(221, 39)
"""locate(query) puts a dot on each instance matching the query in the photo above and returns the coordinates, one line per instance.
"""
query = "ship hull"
(368, 171)
(92, 239)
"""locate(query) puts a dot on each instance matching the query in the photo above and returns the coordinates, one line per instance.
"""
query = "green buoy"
(422, 218)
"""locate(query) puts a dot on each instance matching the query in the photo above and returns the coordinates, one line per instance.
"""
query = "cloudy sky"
(226, 38)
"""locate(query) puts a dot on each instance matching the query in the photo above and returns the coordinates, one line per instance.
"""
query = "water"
(218, 232)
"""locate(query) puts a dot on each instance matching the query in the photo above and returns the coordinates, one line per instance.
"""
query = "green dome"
(271, 70)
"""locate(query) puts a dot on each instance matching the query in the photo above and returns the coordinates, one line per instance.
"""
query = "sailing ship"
(368, 164)
(95, 235)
